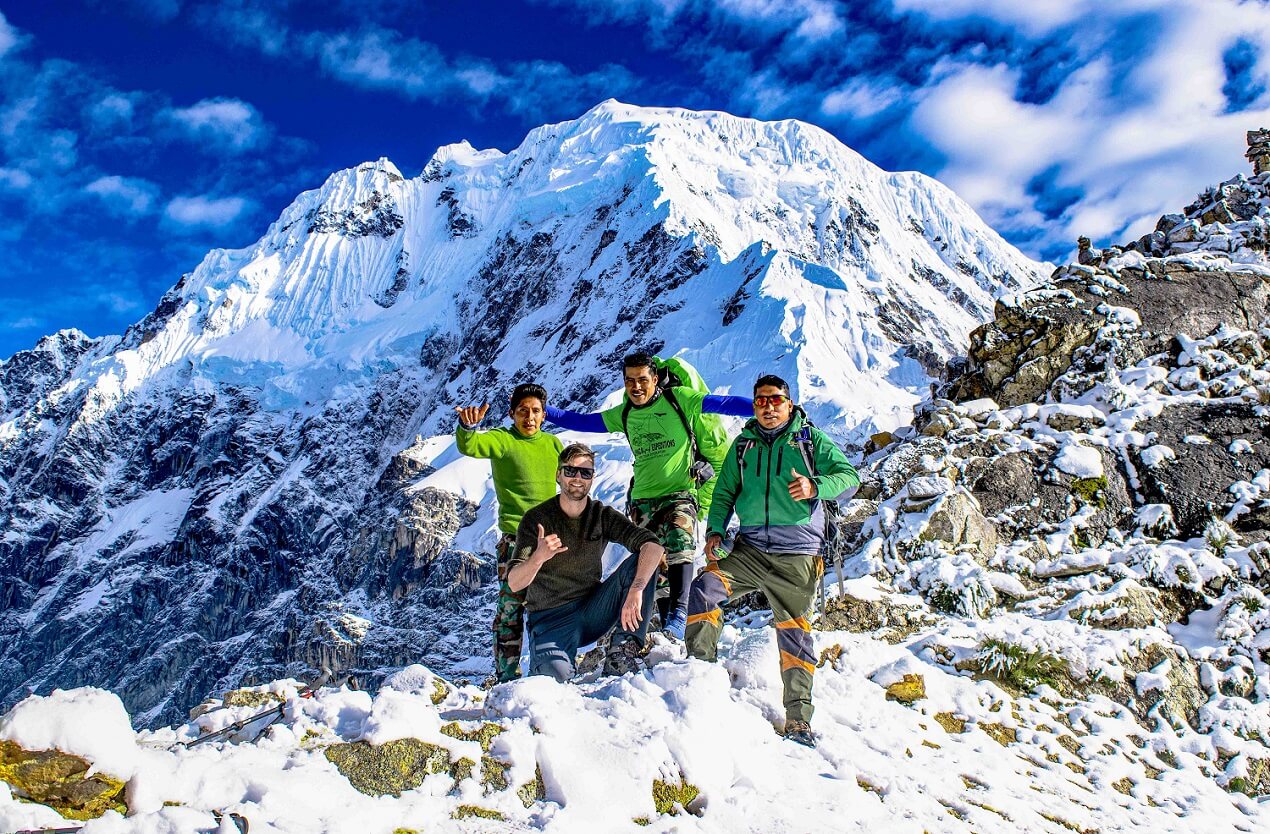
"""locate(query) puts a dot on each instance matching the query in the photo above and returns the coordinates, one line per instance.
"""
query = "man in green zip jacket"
(523, 464)
(776, 477)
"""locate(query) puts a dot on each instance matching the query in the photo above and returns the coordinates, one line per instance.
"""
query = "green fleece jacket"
(524, 468)
(770, 519)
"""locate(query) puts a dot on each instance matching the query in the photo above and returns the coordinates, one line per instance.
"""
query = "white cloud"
(1035, 17)
(23, 323)
(113, 111)
(205, 212)
(125, 195)
(226, 123)
(1130, 140)
(9, 37)
(860, 98)
(15, 179)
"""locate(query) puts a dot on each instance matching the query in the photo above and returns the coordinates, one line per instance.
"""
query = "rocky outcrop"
(61, 781)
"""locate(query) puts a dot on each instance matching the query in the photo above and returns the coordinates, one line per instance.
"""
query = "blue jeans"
(556, 633)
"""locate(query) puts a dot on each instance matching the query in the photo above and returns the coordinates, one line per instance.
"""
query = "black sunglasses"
(584, 472)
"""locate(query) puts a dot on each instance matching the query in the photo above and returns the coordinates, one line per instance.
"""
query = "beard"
(575, 492)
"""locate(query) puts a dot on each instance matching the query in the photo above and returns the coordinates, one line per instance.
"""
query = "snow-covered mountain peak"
(370, 266)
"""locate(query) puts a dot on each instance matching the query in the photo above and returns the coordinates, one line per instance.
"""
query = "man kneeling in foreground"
(558, 563)
(777, 476)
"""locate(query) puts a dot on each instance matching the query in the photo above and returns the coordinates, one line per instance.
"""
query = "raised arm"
(477, 444)
(725, 404)
(575, 421)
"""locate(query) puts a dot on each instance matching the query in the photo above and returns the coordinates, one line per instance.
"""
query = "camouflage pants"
(789, 583)
(509, 617)
(672, 519)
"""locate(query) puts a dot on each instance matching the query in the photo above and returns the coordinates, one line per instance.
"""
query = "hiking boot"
(622, 657)
(800, 732)
(675, 624)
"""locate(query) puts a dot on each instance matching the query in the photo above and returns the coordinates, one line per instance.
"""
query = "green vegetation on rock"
(1256, 783)
(464, 811)
(535, 791)
(391, 768)
(1091, 490)
(483, 735)
(1019, 668)
(494, 775)
(251, 698)
(57, 779)
(670, 798)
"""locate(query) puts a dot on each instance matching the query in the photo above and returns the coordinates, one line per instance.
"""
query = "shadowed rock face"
(1194, 482)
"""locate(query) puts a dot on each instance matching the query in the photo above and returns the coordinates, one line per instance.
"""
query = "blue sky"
(137, 134)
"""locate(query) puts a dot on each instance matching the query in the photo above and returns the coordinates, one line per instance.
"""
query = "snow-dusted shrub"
(1020, 667)
(953, 583)
(1245, 621)
(1174, 566)
(1156, 521)
(1219, 536)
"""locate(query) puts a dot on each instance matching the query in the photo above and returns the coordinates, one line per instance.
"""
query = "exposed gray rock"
(1195, 481)
(957, 522)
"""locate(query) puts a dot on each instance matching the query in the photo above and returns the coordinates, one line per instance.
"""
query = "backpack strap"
(807, 448)
(669, 394)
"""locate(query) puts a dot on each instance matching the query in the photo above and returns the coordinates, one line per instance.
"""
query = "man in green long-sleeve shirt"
(523, 461)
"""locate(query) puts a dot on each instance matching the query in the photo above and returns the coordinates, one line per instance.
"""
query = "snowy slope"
(205, 496)
(1003, 765)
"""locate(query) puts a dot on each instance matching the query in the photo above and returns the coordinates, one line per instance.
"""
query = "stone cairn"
(1259, 150)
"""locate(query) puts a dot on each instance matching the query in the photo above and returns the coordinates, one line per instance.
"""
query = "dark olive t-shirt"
(572, 574)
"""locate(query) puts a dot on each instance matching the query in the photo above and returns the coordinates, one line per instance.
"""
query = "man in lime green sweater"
(523, 462)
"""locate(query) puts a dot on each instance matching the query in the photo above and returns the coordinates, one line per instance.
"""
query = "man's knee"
(709, 591)
(553, 663)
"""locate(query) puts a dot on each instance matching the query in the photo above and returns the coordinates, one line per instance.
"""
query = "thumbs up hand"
(801, 487)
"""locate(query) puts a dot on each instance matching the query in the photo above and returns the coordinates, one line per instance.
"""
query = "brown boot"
(800, 732)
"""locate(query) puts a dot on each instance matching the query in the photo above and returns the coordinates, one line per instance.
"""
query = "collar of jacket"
(796, 421)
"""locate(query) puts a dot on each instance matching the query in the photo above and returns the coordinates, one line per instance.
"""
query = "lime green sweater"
(524, 468)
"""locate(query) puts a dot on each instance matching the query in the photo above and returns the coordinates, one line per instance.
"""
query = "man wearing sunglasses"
(523, 465)
(558, 564)
(664, 491)
(775, 477)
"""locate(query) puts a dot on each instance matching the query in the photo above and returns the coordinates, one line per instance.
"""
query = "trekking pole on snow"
(273, 713)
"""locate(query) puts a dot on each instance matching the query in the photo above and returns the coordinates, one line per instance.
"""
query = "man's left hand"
(801, 488)
(632, 609)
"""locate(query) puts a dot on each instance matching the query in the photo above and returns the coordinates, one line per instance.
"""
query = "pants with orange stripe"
(789, 583)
